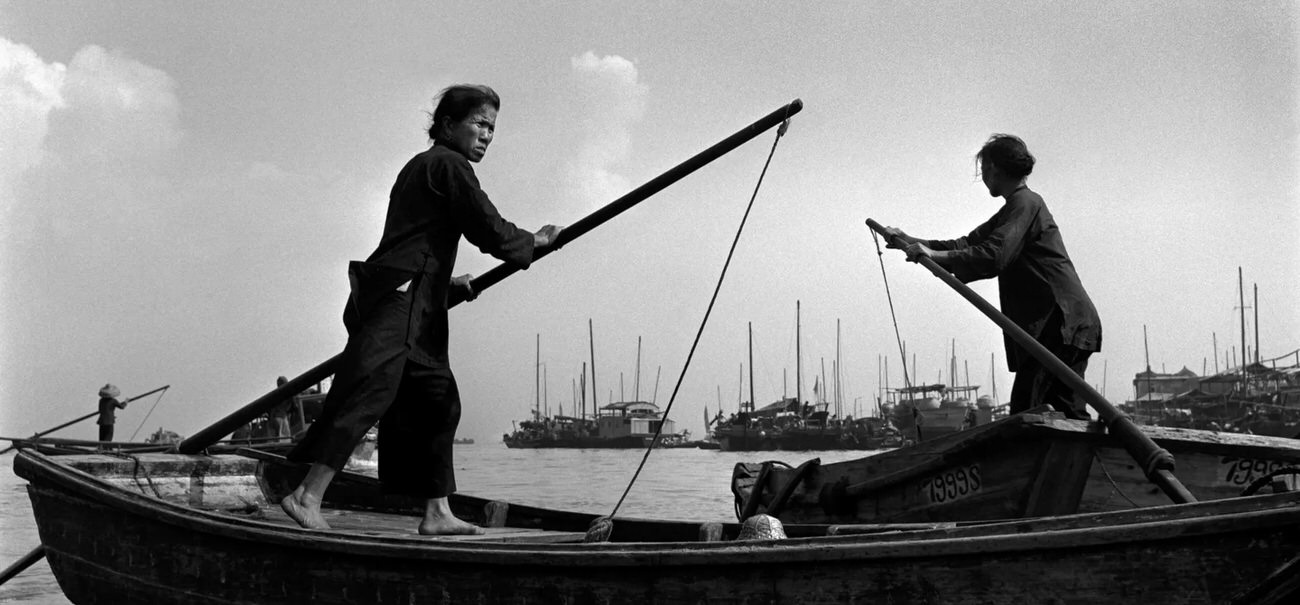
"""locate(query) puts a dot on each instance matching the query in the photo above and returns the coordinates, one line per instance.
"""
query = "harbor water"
(680, 483)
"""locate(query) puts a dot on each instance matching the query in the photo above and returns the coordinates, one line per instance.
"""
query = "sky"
(183, 184)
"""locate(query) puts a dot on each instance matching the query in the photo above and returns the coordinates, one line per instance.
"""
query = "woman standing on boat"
(1039, 288)
(395, 368)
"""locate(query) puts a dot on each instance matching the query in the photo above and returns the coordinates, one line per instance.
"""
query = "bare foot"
(305, 515)
(448, 526)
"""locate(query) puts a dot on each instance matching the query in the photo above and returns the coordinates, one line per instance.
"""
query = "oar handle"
(212, 434)
(1157, 462)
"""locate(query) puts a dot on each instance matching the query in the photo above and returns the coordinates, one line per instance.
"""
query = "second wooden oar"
(210, 435)
(1157, 463)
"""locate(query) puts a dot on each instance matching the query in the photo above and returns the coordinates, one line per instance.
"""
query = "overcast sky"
(183, 184)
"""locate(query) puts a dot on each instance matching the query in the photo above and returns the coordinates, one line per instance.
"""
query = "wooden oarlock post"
(1156, 462)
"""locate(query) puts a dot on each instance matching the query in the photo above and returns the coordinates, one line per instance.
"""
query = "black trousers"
(417, 408)
(1036, 385)
(105, 432)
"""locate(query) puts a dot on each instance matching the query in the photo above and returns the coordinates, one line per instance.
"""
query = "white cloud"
(84, 143)
(612, 100)
(29, 90)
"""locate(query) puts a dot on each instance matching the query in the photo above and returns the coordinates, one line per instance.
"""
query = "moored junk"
(1262, 398)
(929, 411)
(786, 425)
(620, 425)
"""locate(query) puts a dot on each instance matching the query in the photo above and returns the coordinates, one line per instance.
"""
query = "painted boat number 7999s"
(952, 484)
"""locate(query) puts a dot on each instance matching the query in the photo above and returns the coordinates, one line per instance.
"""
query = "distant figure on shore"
(1038, 286)
(395, 369)
(108, 407)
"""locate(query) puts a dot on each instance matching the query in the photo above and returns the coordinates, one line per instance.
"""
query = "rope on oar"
(602, 527)
(146, 416)
(880, 254)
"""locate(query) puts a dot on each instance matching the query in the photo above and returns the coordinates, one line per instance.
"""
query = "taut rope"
(880, 255)
(779, 133)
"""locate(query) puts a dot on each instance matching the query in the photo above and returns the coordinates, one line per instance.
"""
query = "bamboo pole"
(213, 433)
(1157, 463)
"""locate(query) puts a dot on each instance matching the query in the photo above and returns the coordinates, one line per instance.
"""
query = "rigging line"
(146, 416)
(880, 255)
(700, 332)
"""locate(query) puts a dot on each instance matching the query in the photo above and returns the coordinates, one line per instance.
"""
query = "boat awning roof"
(631, 406)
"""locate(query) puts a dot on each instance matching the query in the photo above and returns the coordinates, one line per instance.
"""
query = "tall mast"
(1256, 323)
(798, 362)
(751, 366)
(537, 381)
(740, 387)
(1241, 292)
(1146, 352)
(1215, 337)
(595, 400)
(839, 400)
(823, 393)
(655, 397)
(636, 384)
(992, 379)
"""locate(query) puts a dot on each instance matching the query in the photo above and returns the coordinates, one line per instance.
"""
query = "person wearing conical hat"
(109, 404)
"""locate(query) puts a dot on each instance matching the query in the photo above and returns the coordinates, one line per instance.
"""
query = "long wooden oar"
(28, 560)
(76, 420)
(210, 435)
(1157, 463)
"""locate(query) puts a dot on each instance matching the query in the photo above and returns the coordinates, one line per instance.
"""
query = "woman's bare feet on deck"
(304, 513)
(448, 526)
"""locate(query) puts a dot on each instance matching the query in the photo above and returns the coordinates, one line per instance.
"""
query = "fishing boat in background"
(1027, 465)
(788, 425)
(1262, 398)
(784, 426)
(206, 528)
(620, 425)
(929, 411)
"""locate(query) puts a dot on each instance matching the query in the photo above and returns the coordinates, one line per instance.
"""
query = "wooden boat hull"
(187, 531)
(1023, 466)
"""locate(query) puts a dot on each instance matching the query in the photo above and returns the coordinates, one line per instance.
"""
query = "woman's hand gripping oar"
(1157, 463)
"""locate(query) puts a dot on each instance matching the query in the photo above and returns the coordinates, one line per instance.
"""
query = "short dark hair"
(1009, 154)
(459, 100)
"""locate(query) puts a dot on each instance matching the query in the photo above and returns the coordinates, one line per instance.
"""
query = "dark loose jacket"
(436, 200)
(108, 407)
(1022, 246)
